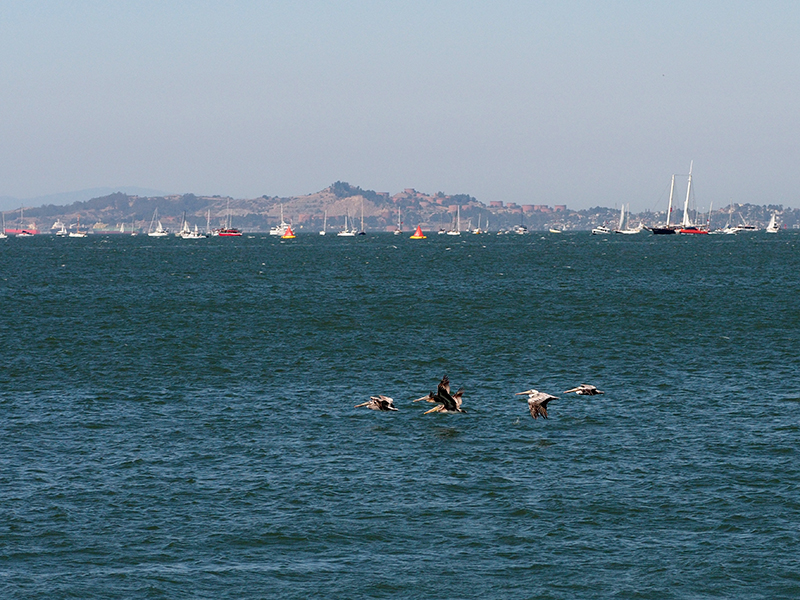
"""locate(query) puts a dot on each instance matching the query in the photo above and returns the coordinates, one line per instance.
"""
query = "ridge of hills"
(340, 199)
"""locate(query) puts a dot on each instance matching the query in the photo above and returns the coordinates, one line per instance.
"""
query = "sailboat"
(159, 231)
(78, 233)
(347, 232)
(399, 229)
(281, 228)
(622, 229)
(228, 230)
(193, 235)
(686, 223)
(667, 229)
(324, 223)
(184, 227)
(22, 232)
(3, 234)
(362, 232)
(457, 230)
(63, 231)
(773, 225)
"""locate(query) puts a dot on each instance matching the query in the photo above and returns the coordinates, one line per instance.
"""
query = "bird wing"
(539, 407)
(458, 397)
(536, 396)
(444, 384)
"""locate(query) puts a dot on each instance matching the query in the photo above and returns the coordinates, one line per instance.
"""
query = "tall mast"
(686, 221)
(671, 190)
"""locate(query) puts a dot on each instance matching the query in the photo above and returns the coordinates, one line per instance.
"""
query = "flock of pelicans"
(451, 403)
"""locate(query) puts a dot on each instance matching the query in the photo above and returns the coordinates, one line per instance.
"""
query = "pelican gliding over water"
(537, 402)
(380, 402)
(585, 389)
(447, 403)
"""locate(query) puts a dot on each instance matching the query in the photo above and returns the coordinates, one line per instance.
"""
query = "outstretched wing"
(539, 407)
(444, 384)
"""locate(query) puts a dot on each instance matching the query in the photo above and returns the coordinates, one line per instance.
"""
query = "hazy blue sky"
(578, 103)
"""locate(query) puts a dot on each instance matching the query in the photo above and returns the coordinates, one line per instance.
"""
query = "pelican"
(380, 402)
(447, 403)
(585, 389)
(537, 402)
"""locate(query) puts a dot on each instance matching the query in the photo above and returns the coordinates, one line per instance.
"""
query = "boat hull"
(662, 231)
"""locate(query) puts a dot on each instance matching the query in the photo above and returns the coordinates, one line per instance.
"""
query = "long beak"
(523, 393)
(434, 409)
(570, 391)
(428, 398)
(360, 405)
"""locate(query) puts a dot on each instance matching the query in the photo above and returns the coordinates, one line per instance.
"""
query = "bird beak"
(434, 409)
(360, 405)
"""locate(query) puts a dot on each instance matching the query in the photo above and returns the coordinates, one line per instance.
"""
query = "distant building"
(496, 204)
(560, 207)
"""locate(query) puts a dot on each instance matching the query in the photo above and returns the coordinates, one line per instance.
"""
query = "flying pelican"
(585, 389)
(537, 402)
(380, 402)
(447, 403)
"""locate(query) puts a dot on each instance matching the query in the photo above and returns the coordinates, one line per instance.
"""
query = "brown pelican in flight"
(537, 402)
(585, 389)
(447, 403)
(380, 402)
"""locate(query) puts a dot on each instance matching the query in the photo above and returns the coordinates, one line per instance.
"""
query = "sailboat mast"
(686, 221)
(671, 190)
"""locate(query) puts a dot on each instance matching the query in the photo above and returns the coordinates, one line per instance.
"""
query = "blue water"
(177, 417)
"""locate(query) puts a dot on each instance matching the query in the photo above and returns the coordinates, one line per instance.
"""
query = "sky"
(570, 102)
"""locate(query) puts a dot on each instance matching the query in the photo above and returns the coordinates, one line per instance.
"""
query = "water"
(177, 421)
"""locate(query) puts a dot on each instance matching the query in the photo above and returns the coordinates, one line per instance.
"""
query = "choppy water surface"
(177, 421)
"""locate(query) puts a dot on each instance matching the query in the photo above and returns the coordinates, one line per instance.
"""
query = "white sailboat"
(324, 223)
(347, 232)
(622, 222)
(78, 233)
(362, 232)
(457, 230)
(3, 233)
(773, 225)
(281, 228)
(184, 226)
(399, 229)
(194, 234)
(159, 230)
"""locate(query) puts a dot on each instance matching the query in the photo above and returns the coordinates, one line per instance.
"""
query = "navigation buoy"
(289, 235)
(418, 235)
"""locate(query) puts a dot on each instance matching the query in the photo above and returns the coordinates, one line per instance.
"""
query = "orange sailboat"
(418, 235)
